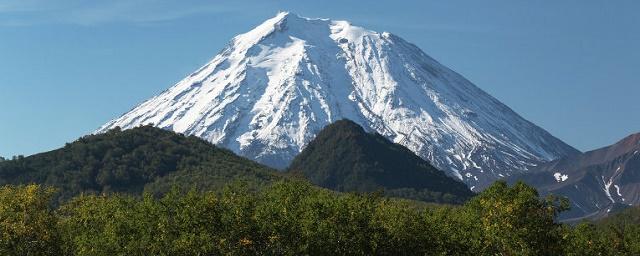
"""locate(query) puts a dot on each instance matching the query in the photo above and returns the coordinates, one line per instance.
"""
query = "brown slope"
(596, 181)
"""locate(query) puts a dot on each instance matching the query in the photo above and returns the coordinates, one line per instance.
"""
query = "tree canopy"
(292, 218)
(128, 161)
(345, 157)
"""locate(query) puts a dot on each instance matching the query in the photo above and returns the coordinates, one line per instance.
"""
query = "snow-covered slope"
(268, 93)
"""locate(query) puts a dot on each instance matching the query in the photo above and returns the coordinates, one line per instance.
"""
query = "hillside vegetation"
(344, 157)
(296, 218)
(287, 218)
(130, 160)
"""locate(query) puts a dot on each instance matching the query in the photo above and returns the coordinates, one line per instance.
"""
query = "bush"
(294, 217)
(27, 223)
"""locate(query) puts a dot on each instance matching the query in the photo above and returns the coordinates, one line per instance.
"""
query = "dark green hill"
(127, 161)
(344, 157)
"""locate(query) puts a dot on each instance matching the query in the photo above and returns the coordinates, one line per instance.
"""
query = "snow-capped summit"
(272, 89)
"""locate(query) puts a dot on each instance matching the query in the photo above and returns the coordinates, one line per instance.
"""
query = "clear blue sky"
(68, 66)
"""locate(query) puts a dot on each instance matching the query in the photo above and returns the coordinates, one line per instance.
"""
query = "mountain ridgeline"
(344, 157)
(597, 182)
(131, 160)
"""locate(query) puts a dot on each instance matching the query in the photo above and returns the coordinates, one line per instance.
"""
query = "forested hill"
(129, 160)
(345, 157)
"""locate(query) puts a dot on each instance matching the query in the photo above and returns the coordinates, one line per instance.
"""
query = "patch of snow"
(618, 191)
(560, 177)
(457, 174)
(607, 187)
(607, 184)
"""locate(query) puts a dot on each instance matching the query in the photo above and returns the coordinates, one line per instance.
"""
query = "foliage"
(587, 239)
(27, 223)
(618, 234)
(293, 217)
(513, 221)
(127, 161)
(622, 231)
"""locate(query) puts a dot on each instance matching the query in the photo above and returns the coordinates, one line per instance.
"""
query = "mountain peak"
(344, 125)
(272, 89)
(308, 29)
(346, 158)
(285, 15)
(631, 140)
